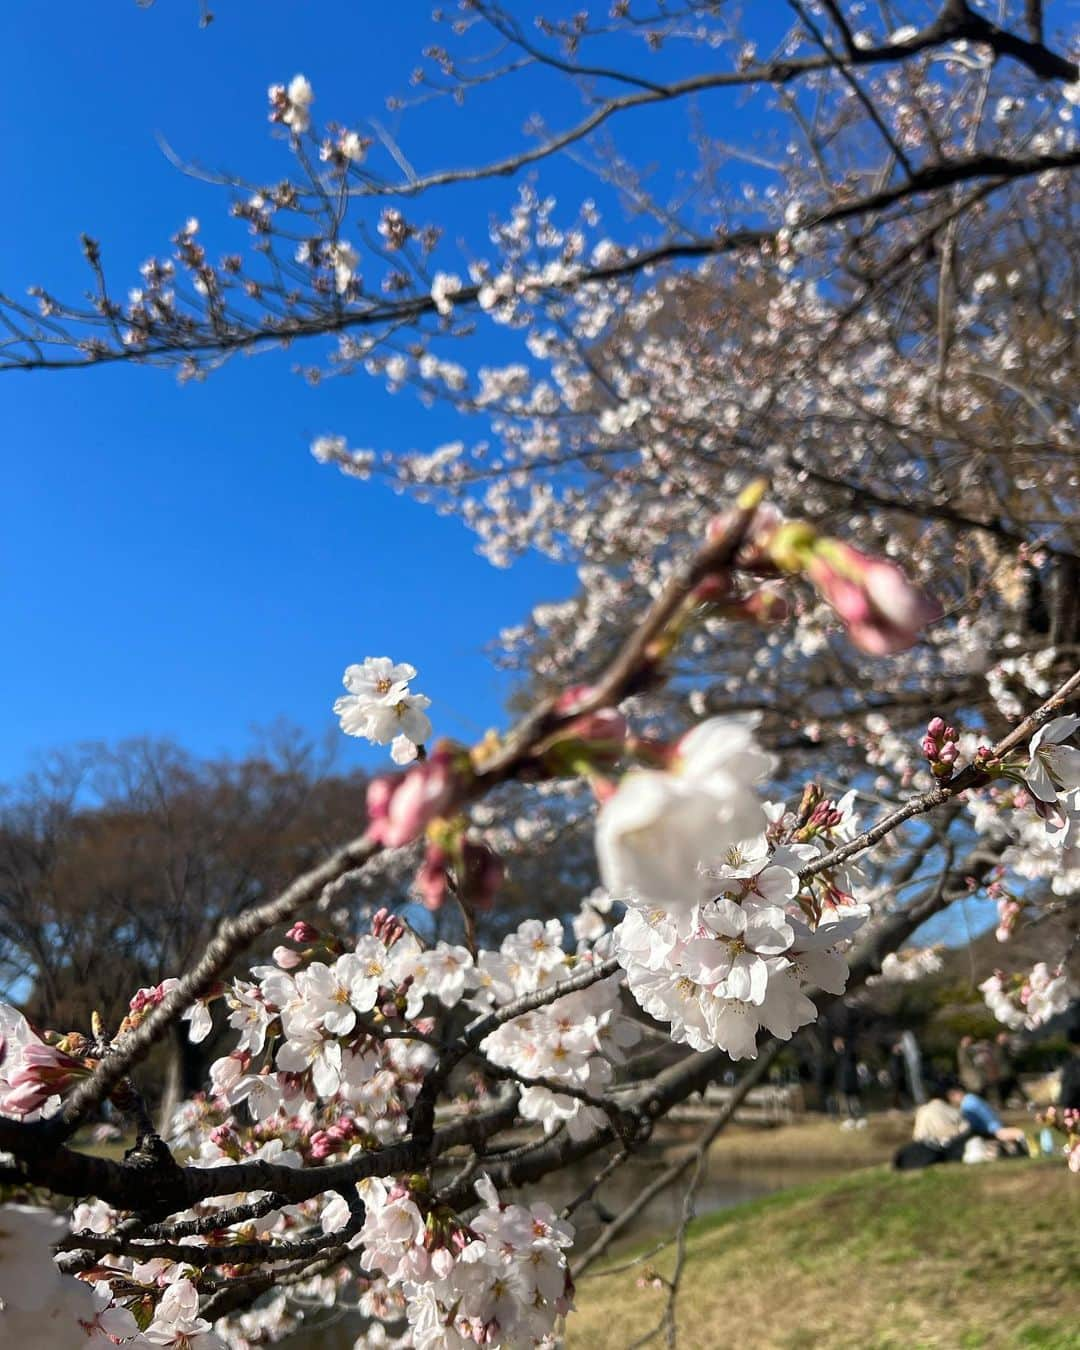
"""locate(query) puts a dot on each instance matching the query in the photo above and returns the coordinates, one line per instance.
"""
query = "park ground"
(849, 1255)
(955, 1257)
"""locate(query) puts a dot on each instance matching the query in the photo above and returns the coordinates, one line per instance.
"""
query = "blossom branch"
(197, 339)
(970, 777)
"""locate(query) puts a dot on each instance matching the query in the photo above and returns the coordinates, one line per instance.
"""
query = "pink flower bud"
(882, 610)
(44, 1072)
(286, 958)
(302, 932)
(322, 1145)
(605, 725)
(935, 726)
(903, 605)
(821, 813)
(387, 927)
(431, 880)
(400, 807)
(846, 596)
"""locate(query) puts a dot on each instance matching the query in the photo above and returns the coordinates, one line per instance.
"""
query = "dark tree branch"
(211, 339)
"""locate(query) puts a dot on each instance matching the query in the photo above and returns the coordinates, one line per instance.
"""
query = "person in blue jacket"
(980, 1117)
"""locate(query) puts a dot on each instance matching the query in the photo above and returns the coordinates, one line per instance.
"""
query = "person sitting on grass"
(980, 1117)
(957, 1126)
(937, 1123)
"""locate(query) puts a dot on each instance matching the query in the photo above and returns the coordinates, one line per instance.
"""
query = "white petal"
(402, 750)
(725, 917)
(1039, 781)
(1060, 729)
(1064, 763)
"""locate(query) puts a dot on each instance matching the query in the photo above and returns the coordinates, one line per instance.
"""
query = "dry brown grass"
(951, 1257)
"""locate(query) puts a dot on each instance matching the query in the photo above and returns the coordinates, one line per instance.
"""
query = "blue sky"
(173, 561)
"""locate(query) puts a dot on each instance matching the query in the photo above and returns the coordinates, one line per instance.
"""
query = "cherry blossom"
(659, 828)
(1054, 768)
(292, 106)
(381, 708)
(735, 940)
(619, 392)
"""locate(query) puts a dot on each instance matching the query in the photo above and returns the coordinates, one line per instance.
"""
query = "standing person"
(824, 1071)
(897, 1075)
(849, 1085)
(1069, 1091)
(972, 1064)
(1008, 1083)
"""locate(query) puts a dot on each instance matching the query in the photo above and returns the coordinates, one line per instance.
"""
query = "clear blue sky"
(173, 560)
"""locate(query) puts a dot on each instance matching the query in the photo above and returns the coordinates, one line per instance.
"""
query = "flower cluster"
(911, 965)
(733, 967)
(380, 707)
(1030, 1000)
(707, 943)
(315, 1026)
(574, 1040)
(501, 1280)
(291, 106)
(42, 1309)
(940, 746)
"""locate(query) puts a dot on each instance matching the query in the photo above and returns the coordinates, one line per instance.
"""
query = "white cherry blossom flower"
(1046, 993)
(250, 1014)
(656, 832)
(1054, 767)
(344, 259)
(816, 955)
(177, 1322)
(301, 96)
(377, 679)
(200, 1021)
(380, 707)
(730, 953)
(307, 1049)
(385, 724)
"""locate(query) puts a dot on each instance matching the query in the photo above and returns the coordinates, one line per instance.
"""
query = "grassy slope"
(949, 1257)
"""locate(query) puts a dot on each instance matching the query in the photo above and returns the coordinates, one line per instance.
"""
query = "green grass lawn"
(950, 1257)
